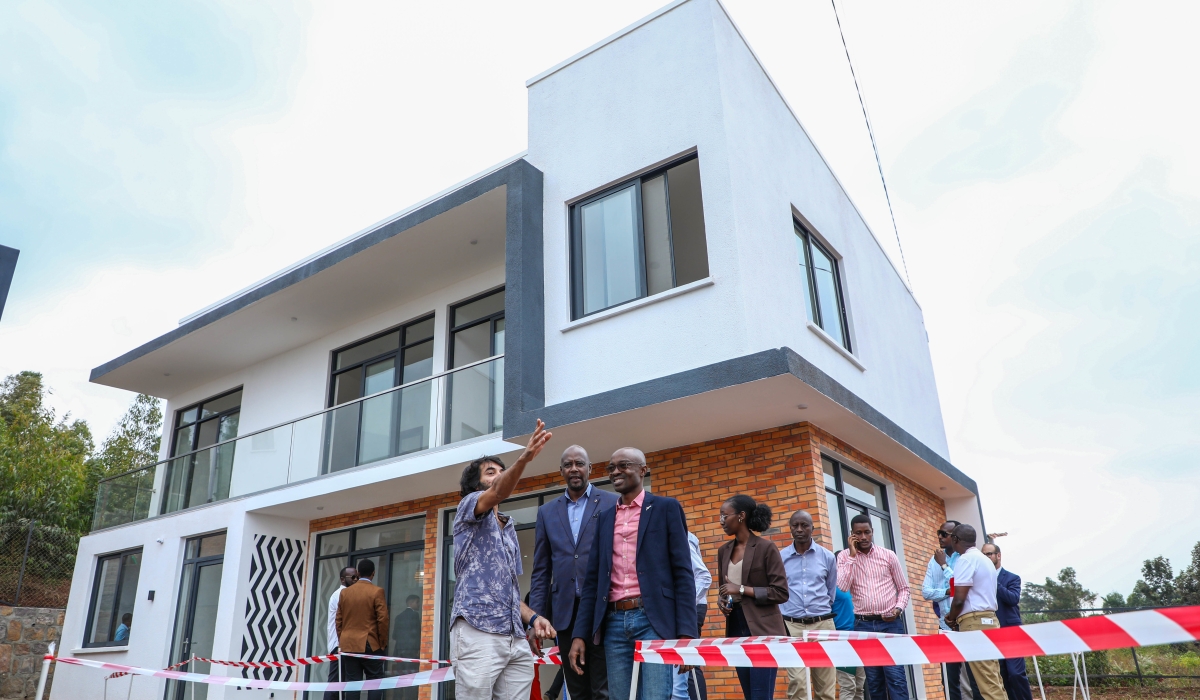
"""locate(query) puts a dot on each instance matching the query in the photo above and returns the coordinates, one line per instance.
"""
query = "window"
(826, 306)
(390, 424)
(111, 618)
(201, 475)
(397, 549)
(475, 396)
(639, 238)
(847, 494)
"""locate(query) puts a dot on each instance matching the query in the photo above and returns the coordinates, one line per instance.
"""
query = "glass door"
(196, 614)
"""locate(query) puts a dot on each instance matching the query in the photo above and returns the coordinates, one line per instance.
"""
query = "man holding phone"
(876, 582)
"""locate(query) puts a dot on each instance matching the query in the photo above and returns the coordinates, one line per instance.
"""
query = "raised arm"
(506, 483)
(929, 588)
(845, 571)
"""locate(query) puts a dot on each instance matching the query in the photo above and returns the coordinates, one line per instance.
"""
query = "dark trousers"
(356, 669)
(1016, 683)
(954, 680)
(885, 682)
(757, 683)
(333, 678)
(697, 676)
(593, 683)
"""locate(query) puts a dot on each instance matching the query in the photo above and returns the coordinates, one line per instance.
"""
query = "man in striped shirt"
(876, 582)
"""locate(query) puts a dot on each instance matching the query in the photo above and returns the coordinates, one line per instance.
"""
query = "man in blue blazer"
(1008, 597)
(639, 584)
(562, 547)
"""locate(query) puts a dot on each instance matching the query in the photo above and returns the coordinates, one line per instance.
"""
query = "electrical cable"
(871, 132)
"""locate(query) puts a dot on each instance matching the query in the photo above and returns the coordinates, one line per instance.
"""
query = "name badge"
(987, 620)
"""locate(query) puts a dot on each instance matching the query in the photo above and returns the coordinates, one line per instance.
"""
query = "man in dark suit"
(362, 627)
(406, 643)
(1008, 596)
(639, 583)
(562, 544)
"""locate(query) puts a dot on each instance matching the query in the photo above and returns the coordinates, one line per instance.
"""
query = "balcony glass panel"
(465, 403)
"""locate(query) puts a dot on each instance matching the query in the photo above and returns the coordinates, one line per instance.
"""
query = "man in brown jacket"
(362, 627)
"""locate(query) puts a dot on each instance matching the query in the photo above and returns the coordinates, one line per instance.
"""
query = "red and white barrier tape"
(400, 659)
(437, 675)
(172, 667)
(284, 663)
(1118, 631)
(808, 636)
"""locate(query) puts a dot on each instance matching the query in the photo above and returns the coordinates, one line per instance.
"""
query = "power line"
(874, 147)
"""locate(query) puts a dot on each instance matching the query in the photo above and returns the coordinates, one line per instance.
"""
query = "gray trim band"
(517, 175)
(748, 368)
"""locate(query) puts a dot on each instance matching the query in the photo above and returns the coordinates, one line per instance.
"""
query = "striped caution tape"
(437, 675)
(172, 667)
(400, 659)
(282, 663)
(1119, 631)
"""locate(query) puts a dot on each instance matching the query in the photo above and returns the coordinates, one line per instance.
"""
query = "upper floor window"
(113, 593)
(477, 329)
(826, 306)
(207, 423)
(385, 361)
(639, 238)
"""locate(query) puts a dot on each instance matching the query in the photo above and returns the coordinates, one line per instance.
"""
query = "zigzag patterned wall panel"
(273, 606)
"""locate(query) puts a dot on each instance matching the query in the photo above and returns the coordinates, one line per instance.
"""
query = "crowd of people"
(612, 569)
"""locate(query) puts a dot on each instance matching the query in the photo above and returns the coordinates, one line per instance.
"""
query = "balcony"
(458, 405)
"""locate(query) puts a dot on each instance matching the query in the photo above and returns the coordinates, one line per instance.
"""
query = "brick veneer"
(780, 466)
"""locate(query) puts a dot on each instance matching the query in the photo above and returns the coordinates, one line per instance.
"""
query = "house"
(671, 265)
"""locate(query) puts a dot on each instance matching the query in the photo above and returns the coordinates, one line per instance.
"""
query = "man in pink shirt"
(639, 585)
(875, 580)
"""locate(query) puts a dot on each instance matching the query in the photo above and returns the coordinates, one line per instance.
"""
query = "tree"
(1156, 587)
(1187, 583)
(1113, 602)
(133, 443)
(43, 459)
(1064, 594)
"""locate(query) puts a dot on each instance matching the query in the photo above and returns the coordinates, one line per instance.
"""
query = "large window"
(475, 396)
(202, 475)
(113, 593)
(847, 494)
(397, 549)
(639, 238)
(392, 424)
(826, 304)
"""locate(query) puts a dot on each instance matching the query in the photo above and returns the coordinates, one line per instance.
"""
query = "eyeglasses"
(990, 554)
(624, 466)
(575, 463)
(727, 515)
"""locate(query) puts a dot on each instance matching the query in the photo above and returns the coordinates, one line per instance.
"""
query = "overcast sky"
(1043, 162)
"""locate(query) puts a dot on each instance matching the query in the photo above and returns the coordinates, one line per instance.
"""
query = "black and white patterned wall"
(273, 606)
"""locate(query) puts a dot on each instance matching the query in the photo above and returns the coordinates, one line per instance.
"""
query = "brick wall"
(780, 466)
(25, 634)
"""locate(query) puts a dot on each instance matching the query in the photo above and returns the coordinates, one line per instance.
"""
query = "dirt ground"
(1059, 693)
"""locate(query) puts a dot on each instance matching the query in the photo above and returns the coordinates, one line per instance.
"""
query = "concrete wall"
(686, 80)
(25, 635)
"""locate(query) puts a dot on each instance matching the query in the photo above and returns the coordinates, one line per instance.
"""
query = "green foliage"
(1112, 602)
(43, 459)
(49, 467)
(1064, 594)
(1157, 585)
(1187, 583)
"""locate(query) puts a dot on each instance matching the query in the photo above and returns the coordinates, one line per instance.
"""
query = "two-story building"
(671, 265)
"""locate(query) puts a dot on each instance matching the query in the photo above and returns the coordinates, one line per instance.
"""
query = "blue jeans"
(885, 682)
(621, 629)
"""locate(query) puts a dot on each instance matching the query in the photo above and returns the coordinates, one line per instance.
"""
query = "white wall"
(686, 80)
(296, 383)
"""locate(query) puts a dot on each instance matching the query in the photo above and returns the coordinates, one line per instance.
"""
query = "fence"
(36, 564)
(1101, 665)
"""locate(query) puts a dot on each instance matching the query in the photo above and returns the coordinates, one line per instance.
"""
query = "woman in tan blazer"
(752, 585)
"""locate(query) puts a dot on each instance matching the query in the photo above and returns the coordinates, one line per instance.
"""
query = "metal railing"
(449, 407)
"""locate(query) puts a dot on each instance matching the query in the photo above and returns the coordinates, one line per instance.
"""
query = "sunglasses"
(943, 533)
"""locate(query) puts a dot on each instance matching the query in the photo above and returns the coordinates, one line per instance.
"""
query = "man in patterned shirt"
(875, 580)
(488, 621)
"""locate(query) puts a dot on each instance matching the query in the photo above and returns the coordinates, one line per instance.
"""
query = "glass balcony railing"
(450, 407)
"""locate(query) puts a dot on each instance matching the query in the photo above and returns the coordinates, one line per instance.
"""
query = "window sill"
(836, 346)
(637, 304)
(98, 650)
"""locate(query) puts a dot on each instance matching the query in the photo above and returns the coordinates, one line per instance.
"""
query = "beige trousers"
(489, 666)
(825, 683)
(852, 685)
(987, 673)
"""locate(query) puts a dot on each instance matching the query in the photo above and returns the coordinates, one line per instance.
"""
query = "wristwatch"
(741, 590)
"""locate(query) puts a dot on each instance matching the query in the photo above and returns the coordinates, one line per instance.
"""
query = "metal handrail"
(377, 394)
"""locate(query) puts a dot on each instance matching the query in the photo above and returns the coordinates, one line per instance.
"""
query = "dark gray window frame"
(91, 614)
(491, 319)
(175, 426)
(576, 235)
(360, 366)
(814, 308)
(844, 514)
